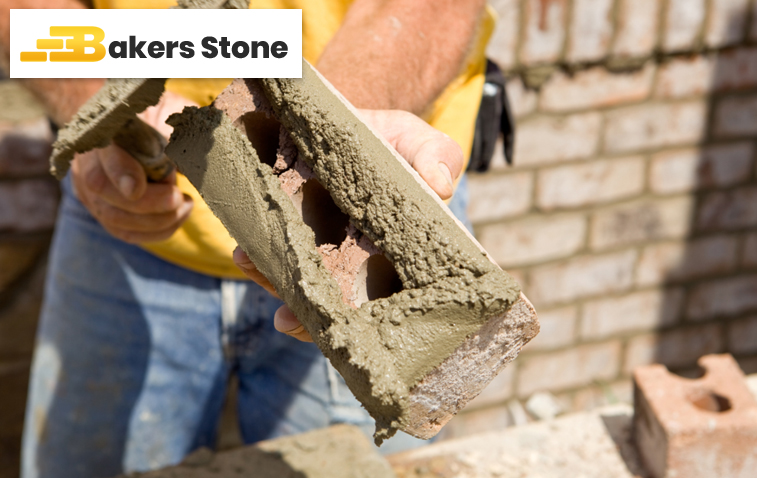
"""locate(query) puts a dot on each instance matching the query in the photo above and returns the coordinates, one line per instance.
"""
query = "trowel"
(111, 115)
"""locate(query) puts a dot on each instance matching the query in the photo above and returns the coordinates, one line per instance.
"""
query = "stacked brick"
(630, 216)
(28, 202)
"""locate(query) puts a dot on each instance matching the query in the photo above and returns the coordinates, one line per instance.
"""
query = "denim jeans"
(134, 353)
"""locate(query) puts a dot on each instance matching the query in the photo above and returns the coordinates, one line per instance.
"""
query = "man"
(145, 312)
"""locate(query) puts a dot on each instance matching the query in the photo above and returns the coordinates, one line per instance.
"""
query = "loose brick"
(557, 328)
(749, 257)
(582, 277)
(640, 311)
(596, 87)
(722, 297)
(545, 31)
(590, 30)
(742, 336)
(726, 22)
(736, 69)
(683, 24)
(550, 140)
(568, 369)
(728, 210)
(16, 258)
(710, 167)
(532, 240)
(643, 220)
(677, 348)
(686, 77)
(736, 116)
(681, 261)
(593, 183)
(499, 196)
(522, 100)
(497, 392)
(28, 205)
(504, 40)
(25, 147)
(654, 125)
(698, 428)
(636, 34)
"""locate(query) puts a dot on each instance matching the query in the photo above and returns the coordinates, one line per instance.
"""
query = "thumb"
(124, 172)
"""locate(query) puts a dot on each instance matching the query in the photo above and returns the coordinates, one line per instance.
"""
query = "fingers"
(245, 264)
(124, 172)
(152, 213)
(436, 157)
(285, 322)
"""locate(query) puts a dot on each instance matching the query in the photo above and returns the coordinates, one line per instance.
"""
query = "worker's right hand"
(113, 187)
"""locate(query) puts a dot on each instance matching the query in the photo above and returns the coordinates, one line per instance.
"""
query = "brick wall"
(28, 201)
(630, 215)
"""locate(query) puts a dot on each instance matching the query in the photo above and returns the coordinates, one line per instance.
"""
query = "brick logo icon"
(76, 44)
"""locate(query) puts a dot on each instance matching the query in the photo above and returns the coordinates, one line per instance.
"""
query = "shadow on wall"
(710, 280)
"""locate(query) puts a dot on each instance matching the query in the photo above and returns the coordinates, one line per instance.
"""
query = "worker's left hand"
(434, 155)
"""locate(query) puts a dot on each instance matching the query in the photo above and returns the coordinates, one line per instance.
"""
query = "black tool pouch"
(494, 117)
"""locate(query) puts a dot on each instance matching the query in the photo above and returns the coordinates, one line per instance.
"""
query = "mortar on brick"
(387, 348)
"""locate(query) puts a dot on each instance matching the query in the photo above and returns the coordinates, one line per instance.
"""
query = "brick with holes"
(696, 428)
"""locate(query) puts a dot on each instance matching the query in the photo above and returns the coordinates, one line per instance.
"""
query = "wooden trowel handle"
(147, 146)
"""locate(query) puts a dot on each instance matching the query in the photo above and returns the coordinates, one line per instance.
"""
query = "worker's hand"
(437, 158)
(113, 186)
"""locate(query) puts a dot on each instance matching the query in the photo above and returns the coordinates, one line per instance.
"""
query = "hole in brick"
(264, 135)
(710, 401)
(376, 279)
(319, 212)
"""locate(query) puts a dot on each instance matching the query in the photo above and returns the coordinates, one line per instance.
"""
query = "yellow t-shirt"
(202, 243)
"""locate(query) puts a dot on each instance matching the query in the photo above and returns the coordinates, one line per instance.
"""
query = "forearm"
(61, 98)
(400, 54)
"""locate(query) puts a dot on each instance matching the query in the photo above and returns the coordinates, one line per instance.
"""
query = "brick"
(639, 311)
(710, 167)
(639, 221)
(593, 183)
(636, 34)
(582, 277)
(742, 336)
(18, 321)
(568, 369)
(497, 392)
(499, 196)
(504, 40)
(736, 69)
(28, 205)
(25, 147)
(729, 210)
(749, 255)
(522, 100)
(736, 116)
(596, 87)
(722, 297)
(686, 77)
(680, 427)
(677, 348)
(683, 24)
(550, 140)
(590, 30)
(534, 239)
(557, 328)
(16, 258)
(654, 125)
(726, 22)
(681, 261)
(545, 31)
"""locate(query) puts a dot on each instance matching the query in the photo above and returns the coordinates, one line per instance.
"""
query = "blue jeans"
(134, 353)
